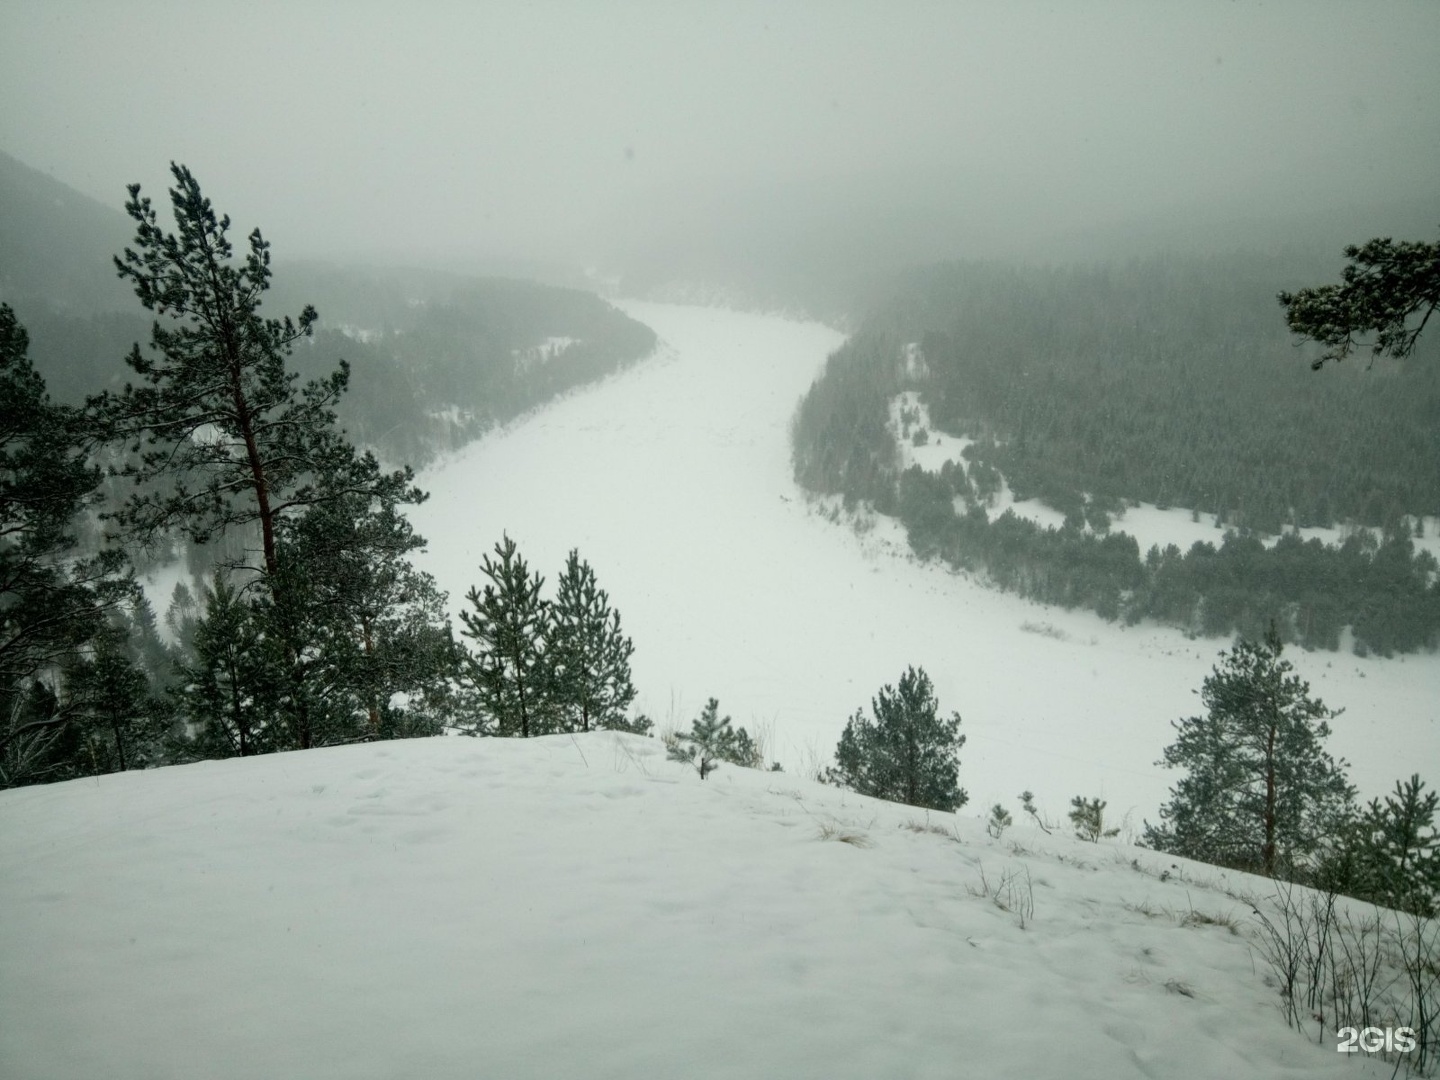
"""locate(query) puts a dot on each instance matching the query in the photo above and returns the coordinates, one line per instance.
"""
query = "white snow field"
(673, 479)
(580, 907)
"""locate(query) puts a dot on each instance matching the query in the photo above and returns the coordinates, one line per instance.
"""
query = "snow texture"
(581, 907)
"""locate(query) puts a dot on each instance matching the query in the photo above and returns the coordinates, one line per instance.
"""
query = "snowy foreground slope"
(673, 479)
(580, 907)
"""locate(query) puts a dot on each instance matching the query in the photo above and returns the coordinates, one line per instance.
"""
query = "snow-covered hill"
(673, 480)
(580, 907)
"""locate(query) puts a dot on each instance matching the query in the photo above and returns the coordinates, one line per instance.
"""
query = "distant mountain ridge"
(56, 246)
(436, 357)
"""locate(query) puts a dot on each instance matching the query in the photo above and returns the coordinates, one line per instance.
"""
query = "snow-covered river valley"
(673, 480)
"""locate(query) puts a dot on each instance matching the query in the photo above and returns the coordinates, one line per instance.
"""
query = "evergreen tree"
(226, 695)
(999, 821)
(1260, 794)
(711, 740)
(111, 700)
(1088, 818)
(1397, 850)
(222, 436)
(1389, 290)
(510, 626)
(907, 754)
(589, 657)
(374, 629)
(53, 602)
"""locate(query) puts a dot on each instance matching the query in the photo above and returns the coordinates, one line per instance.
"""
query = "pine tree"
(510, 625)
(374, 628)
(226, 696)
(218, 418)
(1087, 816)
(711, 740)
(1261, 793)
(999, 821)
(220, 437)
(1389, 290)
(110, 698)
(589, 658)
(1398, 850)
(907, 754)
(53, 602)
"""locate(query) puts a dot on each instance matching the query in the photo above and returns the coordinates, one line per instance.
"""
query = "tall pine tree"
(510, 627)
(220, 437)
(53, 602)
(219, 433)
(1260, 794)
(589, 656)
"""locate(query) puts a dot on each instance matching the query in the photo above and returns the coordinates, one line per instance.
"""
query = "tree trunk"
(1267, 853)
(119, 739)
(370, 695)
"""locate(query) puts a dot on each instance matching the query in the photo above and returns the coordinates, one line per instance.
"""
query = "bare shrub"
(1337, 969)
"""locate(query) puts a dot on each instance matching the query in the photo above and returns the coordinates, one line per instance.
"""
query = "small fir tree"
(510, 626)
(1261, 793)
(589, 657)
(907, 754)
(711, 740)
(1088, 818)
(999, 821)
(1396, 850)
(1027, 804)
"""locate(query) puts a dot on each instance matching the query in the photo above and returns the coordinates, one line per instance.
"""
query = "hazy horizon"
(643, 135)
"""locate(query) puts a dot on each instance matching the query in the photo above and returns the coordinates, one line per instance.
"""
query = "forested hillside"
(435, 358)
(1167, 381)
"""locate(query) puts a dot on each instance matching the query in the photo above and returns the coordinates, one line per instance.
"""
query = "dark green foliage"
(541, 666)
(221, 438)
(122, 723)
(372, 628)
(53, 602)
(907, 754)
(437, 357)
(589, 656)
(440, 358)
(1087, 816)
(1260, 793)
(1389, 290)
(1167, 382)
(1389, 853)
(509, 669)
(226, 699)
(218, 417)
(712, 740)
(840, 442)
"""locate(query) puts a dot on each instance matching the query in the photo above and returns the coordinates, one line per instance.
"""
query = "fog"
(676, 137)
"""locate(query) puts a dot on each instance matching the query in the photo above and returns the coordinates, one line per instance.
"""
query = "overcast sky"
(591, 131)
